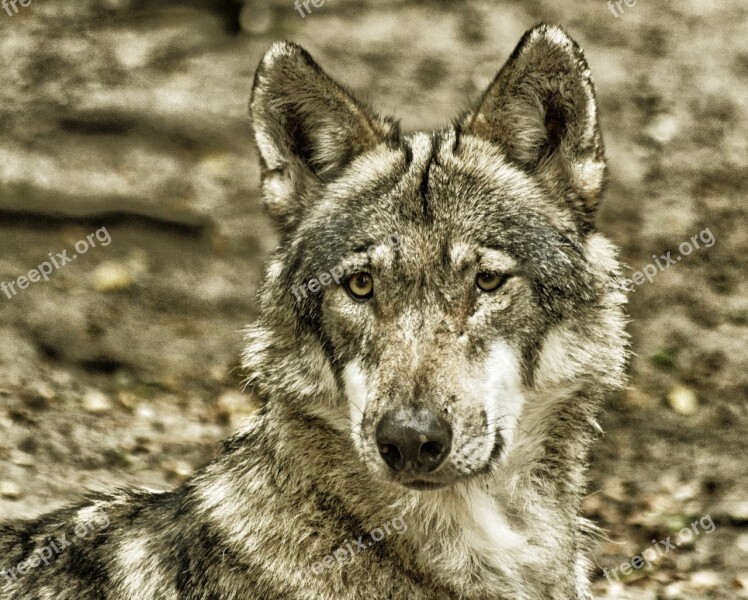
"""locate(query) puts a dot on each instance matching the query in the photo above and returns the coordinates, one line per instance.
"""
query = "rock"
(732, 509)
(111, 276)
(635, 398)
(686, 491)
(144, 411)
(683, 400)
(179, 469)
(127, 400)
(674, 590)
(663, 129)
(706, 580)
(43, 389)
(740, 582)
(22, 459)
(96, 402)
(10, 490)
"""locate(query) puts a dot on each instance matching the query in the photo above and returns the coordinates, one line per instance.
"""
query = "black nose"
(414, 439)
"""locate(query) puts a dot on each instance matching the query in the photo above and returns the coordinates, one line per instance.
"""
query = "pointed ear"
(541, 110)
(307, 129)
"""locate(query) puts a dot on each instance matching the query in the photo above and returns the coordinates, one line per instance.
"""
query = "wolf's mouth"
(422, 485)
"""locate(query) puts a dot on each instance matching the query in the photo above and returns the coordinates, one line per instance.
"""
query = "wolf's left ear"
(541, 110)
(307, 129)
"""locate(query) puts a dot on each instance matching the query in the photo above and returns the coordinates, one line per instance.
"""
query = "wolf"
(425, 423)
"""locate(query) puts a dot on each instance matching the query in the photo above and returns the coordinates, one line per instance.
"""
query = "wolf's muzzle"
(413, 440)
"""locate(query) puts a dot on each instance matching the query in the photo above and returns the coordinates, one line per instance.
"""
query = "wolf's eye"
(489, 282)
(360, 286)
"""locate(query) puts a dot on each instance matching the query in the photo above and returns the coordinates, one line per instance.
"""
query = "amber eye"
(360, 286)
(488, 282)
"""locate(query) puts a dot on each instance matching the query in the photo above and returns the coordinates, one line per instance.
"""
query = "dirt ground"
(127, 120)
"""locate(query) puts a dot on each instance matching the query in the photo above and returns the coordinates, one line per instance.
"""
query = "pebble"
(96, 402)
(706, 580)
(674, 590)
(111, 276)
(683, 400)
(181, 469)
(144, 411)
(663, 129)
(733, 509)
(10, 490)
(43, 389)
(22, 459)
(636, 398)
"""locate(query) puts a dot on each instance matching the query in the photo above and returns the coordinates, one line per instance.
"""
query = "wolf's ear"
(307, 128)
(541, 110)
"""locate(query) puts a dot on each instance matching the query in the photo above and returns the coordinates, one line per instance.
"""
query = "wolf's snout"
(413, 439)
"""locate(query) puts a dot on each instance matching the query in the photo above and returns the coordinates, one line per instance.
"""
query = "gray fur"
(512, 187)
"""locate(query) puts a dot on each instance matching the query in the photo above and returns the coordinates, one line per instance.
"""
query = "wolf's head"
(437, 296)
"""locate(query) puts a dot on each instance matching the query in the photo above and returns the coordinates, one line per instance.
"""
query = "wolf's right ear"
(307, 129)
(541, 110)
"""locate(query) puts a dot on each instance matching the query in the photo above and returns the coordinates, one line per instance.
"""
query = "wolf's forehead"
(444, 196)
(426, 177)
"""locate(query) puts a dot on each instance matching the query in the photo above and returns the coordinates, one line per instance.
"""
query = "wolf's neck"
(319, 490)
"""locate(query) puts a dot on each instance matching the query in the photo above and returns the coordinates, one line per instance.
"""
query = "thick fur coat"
(459, 272)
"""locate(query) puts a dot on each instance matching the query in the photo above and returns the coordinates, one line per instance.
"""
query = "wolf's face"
(444, 259)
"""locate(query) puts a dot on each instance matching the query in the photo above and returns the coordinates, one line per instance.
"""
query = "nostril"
(431, 450)
(391, 455)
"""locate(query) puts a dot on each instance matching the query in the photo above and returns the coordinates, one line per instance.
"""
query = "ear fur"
(541, 110)
(307, 129)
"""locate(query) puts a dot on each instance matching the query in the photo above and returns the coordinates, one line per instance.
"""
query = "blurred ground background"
(131, 115)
